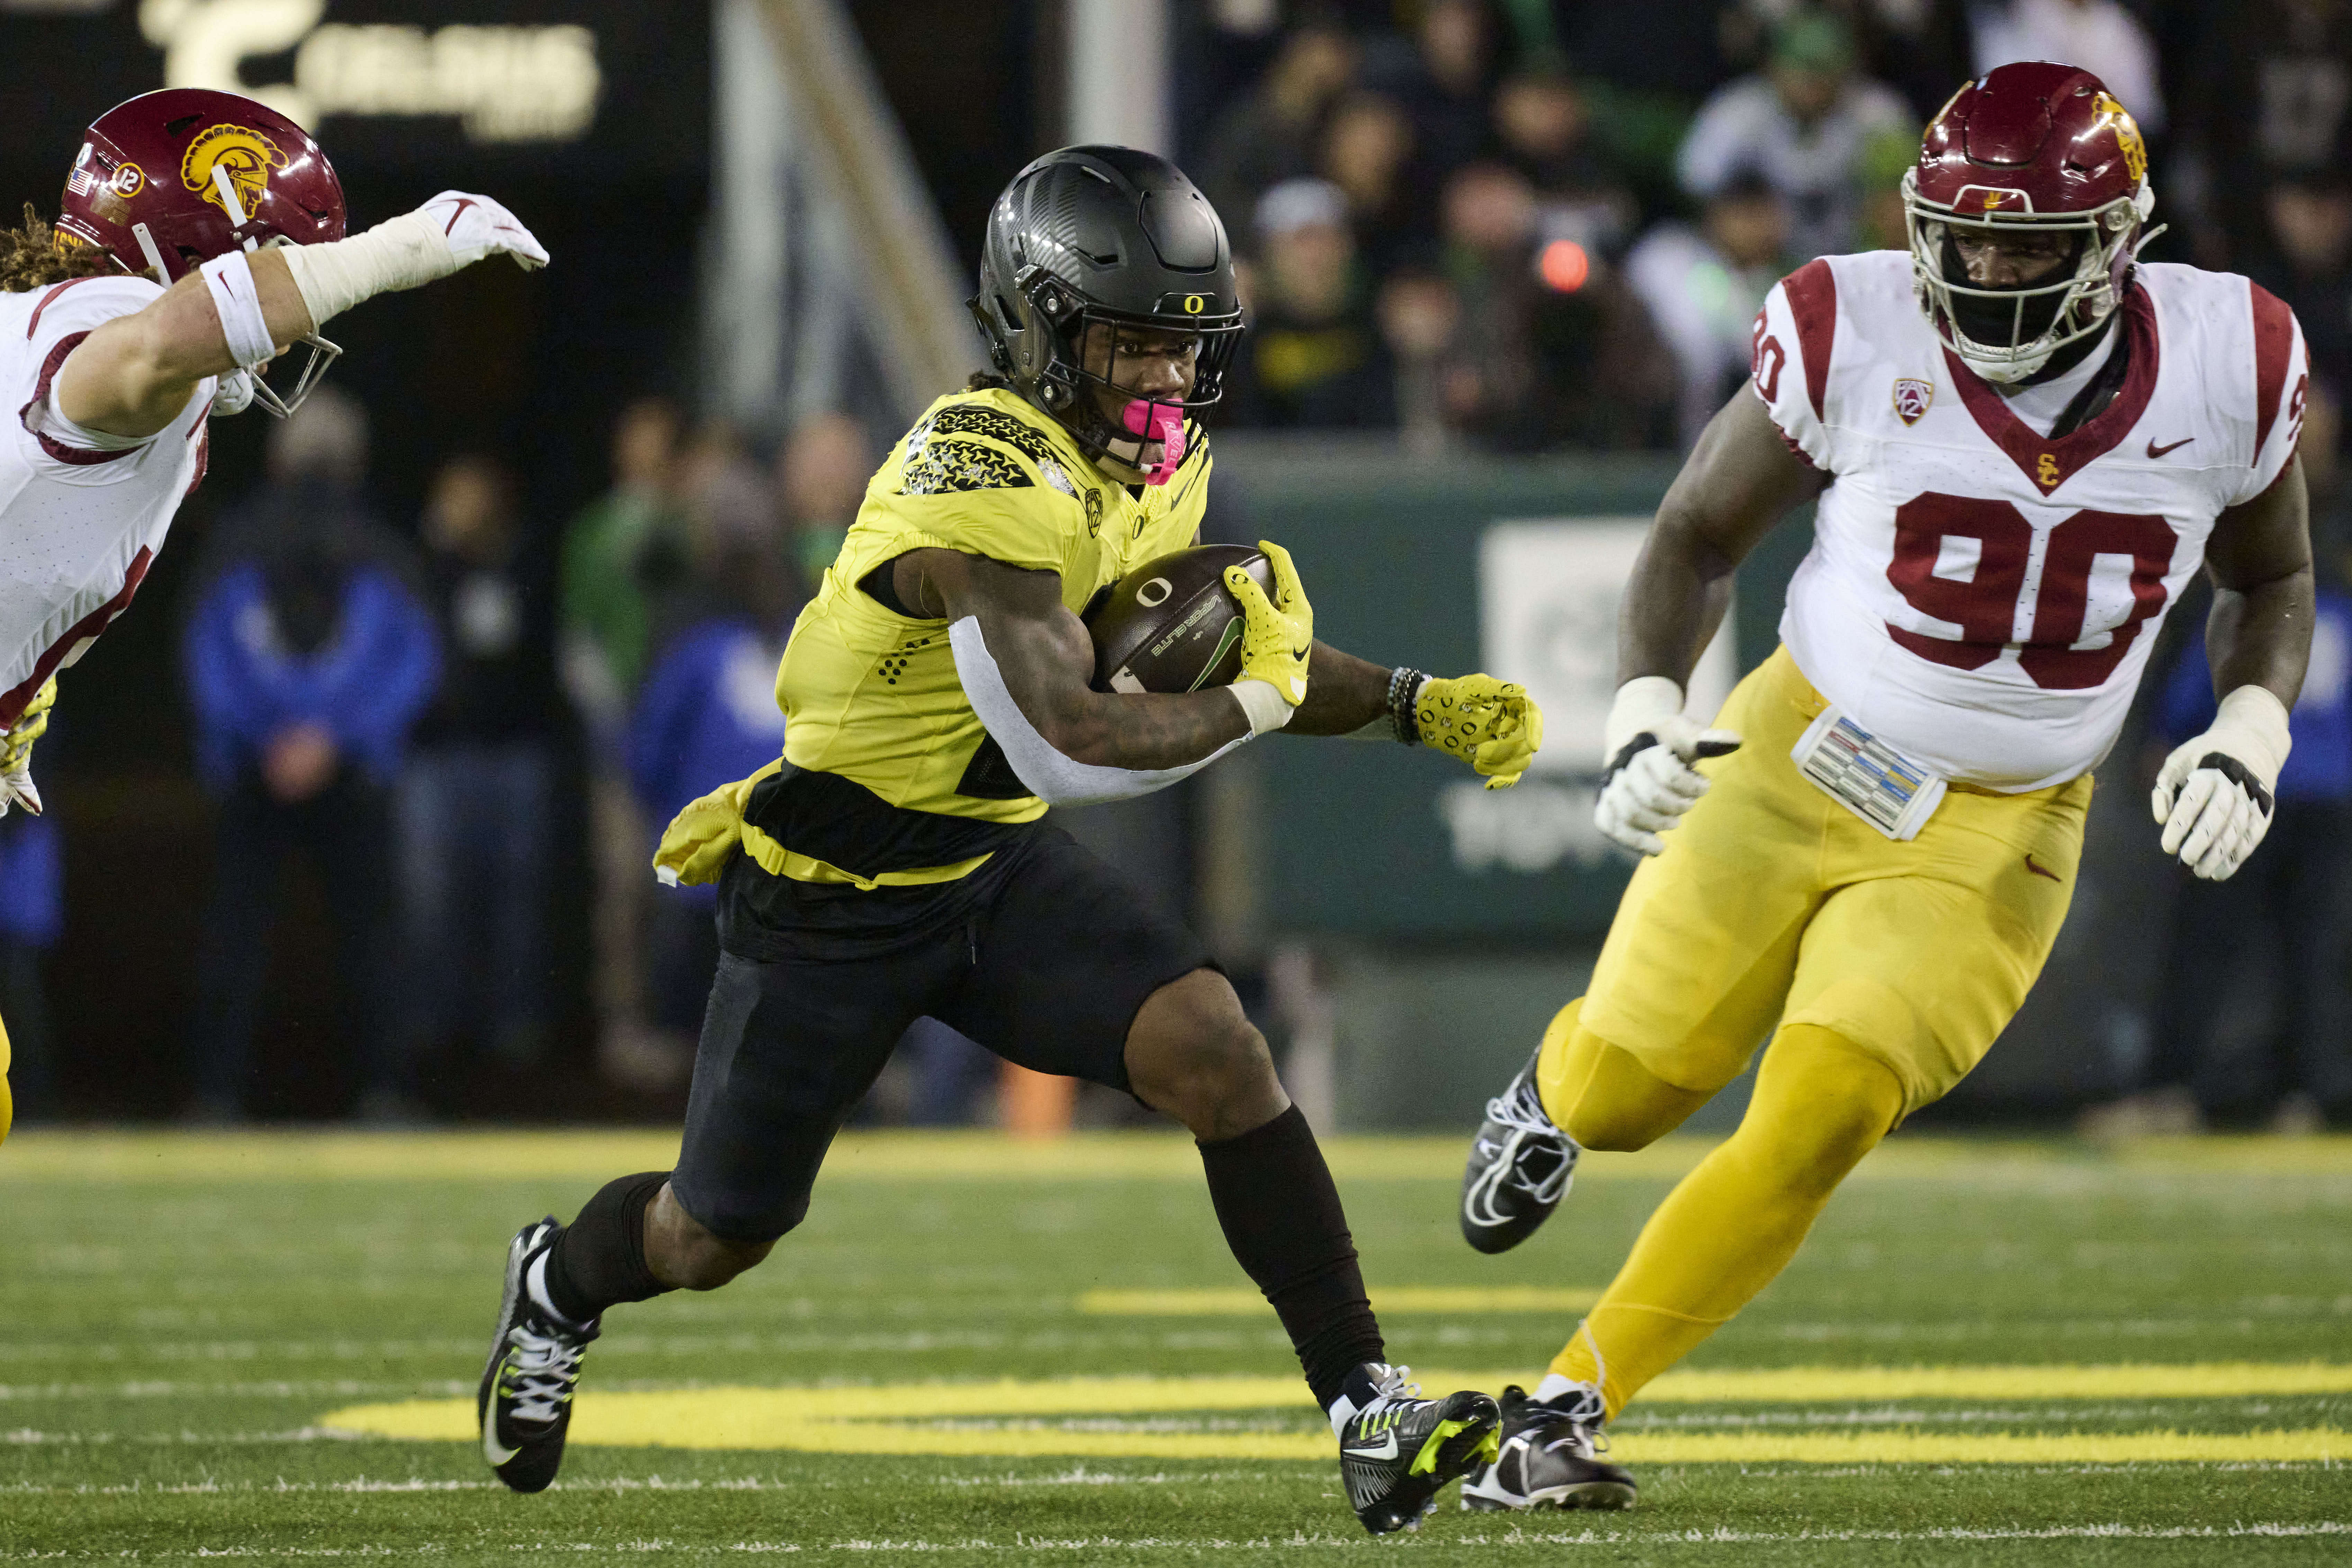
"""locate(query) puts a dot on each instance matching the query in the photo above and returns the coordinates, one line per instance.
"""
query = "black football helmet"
(1104, 235)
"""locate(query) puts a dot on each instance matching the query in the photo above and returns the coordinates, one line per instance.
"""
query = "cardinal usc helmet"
(169, 180)
(2038, 147)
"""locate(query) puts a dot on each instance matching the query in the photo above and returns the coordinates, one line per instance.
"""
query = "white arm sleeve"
(1054, 778)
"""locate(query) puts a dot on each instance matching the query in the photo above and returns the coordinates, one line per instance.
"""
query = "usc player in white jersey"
(201, 236)
(2023, 444)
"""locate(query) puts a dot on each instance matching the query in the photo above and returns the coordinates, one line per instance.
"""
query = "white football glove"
(474, 226)
(454, 229)
(2214, 794)
(1651, 747)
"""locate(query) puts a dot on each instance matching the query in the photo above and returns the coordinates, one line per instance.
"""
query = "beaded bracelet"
(1404, 686)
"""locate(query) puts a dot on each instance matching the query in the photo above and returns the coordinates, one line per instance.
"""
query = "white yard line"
(1034, 1545)
(1077, 1476)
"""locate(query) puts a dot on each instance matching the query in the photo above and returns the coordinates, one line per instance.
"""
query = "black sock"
(599, 1261)
(1281, 1215)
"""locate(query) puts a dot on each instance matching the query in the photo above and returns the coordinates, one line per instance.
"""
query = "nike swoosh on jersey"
(2040, 870)
(2155, 451)
(1387, 1450)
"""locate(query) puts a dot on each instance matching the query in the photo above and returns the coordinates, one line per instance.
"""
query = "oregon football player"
(894, 862)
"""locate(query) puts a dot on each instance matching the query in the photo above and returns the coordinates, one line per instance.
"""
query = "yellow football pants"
(1882, 972)
(8, 1101)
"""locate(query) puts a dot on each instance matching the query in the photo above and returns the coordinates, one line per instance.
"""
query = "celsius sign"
(503, 84)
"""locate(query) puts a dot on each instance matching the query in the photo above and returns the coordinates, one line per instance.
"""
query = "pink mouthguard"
(1163, 423)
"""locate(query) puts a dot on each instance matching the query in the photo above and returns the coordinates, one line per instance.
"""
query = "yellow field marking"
(1012, 1417)
(1397, 1300)
(52, 1154)
(1836, 1385)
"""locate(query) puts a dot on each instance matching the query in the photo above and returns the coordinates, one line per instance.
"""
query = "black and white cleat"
(525, 1404)
(1520, 1168)
(1549, 1456)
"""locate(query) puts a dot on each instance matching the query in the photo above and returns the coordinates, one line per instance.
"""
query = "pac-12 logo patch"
(1911, 399)
(245, 156)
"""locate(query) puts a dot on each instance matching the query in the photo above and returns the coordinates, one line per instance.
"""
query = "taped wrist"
(2253, 722)
(1642, 706)
(406, 252)
(1052, 777)
(1262, 705)
(237, 300)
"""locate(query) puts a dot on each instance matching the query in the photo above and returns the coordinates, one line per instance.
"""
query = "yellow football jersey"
(873, 696)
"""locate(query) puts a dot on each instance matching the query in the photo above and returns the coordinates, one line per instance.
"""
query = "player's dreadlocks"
(31, 258)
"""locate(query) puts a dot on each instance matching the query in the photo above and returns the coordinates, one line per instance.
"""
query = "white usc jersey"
(81, 513)
(1982, 597)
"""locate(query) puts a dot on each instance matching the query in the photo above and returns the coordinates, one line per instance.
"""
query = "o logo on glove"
(1154, 594)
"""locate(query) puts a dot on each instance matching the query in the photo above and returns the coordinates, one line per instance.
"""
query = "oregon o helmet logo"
(1154, 594)
(1194, 304)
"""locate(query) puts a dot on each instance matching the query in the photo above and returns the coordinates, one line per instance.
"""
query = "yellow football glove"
(699, 841)
(1278, 634)
(17, 751)
(1494, 725)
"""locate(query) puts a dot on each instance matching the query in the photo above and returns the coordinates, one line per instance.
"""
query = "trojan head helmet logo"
(2114, 115)
(245, 155)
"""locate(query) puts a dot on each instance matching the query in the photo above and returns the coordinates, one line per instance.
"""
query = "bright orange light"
(1563, 265)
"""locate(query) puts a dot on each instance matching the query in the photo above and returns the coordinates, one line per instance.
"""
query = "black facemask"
(1992, 322)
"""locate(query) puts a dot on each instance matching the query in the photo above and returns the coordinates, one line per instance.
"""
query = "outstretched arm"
(134, 375)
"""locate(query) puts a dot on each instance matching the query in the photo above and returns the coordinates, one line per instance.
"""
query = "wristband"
(1404, 690)
(229, 279)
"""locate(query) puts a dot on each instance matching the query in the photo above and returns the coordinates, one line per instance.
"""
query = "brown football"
(1171, 625)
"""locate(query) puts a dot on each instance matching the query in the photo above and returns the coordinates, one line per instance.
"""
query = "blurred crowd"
(1528, 225)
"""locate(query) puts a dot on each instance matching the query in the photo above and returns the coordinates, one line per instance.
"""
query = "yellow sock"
(1601, 1095)
(1732, 1225)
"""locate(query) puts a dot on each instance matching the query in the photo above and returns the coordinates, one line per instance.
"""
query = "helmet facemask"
(2007, 335)
(1047, 363)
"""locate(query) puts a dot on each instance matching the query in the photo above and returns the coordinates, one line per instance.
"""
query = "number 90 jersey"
(1978, 595)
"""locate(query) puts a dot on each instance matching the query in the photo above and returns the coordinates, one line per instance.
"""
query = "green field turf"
(1989, 1353)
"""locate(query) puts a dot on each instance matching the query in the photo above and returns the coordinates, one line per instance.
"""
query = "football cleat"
(1548, 1457)
(1520, 1169)
(1398, 1448)
(525, 1404)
